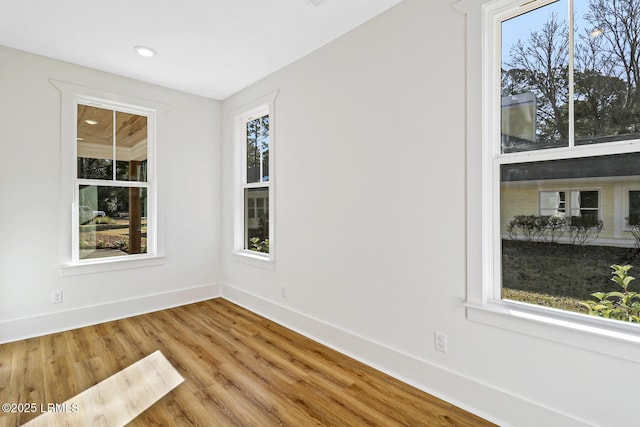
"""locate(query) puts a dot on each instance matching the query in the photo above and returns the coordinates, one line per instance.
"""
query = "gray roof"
(588, 167)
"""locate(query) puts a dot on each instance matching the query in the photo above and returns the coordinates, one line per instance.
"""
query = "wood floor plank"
(240, 369)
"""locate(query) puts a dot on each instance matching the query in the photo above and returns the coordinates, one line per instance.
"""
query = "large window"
(562, 156)
(112, 181)
(254, 181)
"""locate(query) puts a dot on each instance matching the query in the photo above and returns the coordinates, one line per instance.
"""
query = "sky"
(521, 26)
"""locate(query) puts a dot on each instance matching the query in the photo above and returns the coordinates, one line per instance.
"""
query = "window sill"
(255, 259)
(110, 264)
(609, 337)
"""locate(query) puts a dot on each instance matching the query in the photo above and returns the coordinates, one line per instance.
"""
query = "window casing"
(108, 212)
(512, 143)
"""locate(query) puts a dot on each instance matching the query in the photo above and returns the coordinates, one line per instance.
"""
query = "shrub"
(531, 228)
(552, 226)
(583, 230)
(524, 227)
(259, 245)
(617, 305)
(102, 220)
(634, 228)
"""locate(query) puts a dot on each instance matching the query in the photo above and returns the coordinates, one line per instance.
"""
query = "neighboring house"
(605, 188)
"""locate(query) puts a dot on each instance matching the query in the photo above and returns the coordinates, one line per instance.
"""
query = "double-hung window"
(569, 204)
(561, 149)
(108, 211)
(256, 182)
(253, 236)
(112, 181)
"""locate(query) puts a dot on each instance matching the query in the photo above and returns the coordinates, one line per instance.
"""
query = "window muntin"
(565, 146)
(112, 202)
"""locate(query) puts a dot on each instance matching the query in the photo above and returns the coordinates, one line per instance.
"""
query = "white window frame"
(484, 303)
(260, 107)
(71, 96)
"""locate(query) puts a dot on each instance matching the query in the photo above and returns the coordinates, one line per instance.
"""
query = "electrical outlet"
(440, 341)
(56, 297)
(283, 291)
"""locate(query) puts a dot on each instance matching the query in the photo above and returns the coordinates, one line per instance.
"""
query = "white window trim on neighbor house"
(569, 200)
(484, 303)
(70, 262)
(258, 108)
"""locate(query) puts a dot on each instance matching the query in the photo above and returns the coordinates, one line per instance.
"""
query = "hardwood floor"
(240, 369)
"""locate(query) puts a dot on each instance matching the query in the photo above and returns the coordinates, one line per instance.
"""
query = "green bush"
(102, 220)
(617, 305)
(259, 245)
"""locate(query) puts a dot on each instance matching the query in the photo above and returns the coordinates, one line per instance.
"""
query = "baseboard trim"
(482, 399)
(475, 396)
(64, 320)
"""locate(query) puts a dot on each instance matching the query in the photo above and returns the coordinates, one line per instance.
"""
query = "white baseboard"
(484, 400)
(475, 396)
(48, 323)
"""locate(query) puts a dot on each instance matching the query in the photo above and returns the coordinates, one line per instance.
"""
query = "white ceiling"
(211, 48)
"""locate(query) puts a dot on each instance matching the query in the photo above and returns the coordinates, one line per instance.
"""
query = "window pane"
(607, 107)
(552, 203)
(95, 142)
(534, 80)
(555, 260)
(634, 208)
(131, 147)
(112, 221)
(258, 150)
(256, 207)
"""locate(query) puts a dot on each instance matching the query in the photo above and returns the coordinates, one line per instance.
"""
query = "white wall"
(371, 225)
(30, 187)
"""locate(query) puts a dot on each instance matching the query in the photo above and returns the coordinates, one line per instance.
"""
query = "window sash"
(147, 183)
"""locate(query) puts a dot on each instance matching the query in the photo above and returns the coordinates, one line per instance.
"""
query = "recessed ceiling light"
(145, 51)
(91, 122)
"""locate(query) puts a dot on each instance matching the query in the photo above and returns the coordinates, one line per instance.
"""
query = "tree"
(619, 23)
(606, 72)
(540, 64)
